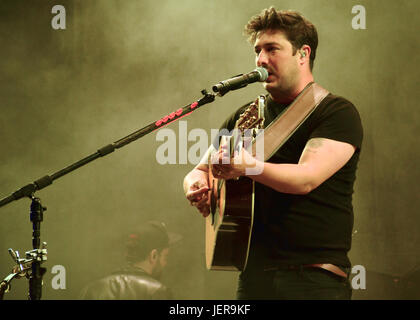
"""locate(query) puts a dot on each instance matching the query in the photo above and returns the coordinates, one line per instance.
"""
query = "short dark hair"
(139, 243)
(298, 30)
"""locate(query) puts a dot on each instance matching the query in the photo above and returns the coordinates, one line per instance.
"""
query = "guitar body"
(229, 224)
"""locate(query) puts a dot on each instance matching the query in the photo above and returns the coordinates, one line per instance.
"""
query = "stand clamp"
(23, 267)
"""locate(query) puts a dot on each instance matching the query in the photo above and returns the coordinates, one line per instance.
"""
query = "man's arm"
(320, 159)
(196, 184)
(200, 171)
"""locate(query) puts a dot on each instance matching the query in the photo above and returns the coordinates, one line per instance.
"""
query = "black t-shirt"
(316, 227)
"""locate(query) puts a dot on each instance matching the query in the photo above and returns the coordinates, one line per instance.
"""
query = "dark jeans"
(297, 284)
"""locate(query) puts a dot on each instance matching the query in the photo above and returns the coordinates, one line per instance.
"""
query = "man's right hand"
(196, 185)
(197, 195)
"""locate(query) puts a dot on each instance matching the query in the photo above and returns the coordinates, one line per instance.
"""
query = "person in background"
(146, 253)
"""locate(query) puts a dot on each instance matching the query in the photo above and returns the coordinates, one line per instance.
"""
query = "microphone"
(260, 74)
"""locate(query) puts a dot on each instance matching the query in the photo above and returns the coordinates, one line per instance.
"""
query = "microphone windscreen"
(263, 73)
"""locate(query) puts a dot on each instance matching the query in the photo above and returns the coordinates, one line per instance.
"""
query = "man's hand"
(196, 191)
(225, 167)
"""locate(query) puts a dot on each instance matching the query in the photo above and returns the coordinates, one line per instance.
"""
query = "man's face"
(160, 264)
(275, 53)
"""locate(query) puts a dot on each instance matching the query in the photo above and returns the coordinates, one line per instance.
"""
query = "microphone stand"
(38, 255)
(35, 281)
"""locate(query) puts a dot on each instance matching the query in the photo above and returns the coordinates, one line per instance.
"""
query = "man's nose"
(262, 59)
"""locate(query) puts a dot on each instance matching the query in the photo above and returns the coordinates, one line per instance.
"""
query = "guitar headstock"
(253, 116)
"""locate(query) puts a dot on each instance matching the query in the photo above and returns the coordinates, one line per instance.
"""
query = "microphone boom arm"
(30, 189)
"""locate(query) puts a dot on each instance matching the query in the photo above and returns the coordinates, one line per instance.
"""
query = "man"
(303, 214)
(146, 253)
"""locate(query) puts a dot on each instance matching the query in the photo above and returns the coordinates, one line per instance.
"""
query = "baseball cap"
(146, 237)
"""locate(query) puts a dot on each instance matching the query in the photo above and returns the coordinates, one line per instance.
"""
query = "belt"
(329, 267)
(326, 266)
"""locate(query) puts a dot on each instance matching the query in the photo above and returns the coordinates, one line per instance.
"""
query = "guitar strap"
(283, 127)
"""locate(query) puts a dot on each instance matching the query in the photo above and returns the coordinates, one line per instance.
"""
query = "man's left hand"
(225, 167)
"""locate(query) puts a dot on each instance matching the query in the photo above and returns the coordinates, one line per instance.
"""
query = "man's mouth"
(269, 75)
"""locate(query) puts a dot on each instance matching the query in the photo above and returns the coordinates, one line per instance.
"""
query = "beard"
(157, 271)
(283, 85)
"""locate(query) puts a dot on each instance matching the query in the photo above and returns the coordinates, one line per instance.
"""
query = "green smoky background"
(121, 65)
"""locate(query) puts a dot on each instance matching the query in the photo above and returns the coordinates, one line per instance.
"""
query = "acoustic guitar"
(229, 224)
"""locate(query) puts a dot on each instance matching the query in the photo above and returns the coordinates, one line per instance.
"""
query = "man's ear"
(153, 256)
(305, 53)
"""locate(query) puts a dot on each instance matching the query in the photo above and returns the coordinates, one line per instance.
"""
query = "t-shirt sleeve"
(339, 121)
